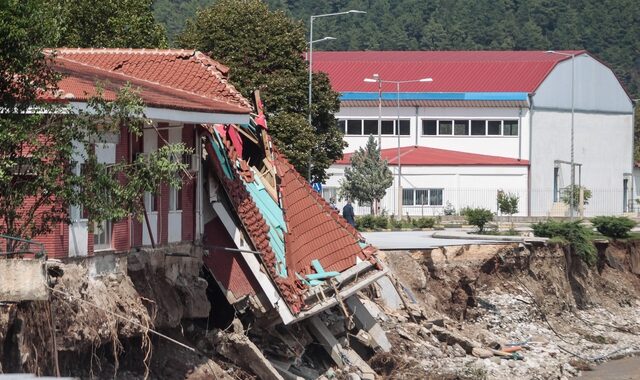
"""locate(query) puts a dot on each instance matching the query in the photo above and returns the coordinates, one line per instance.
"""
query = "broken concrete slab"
(241, 351)
(321, 332)
(365, 321)
(388, 294)
(22, 280)
(451, 338)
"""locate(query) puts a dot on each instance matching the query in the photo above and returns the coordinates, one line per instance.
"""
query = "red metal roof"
(174, 79)
(440, 103)
(425, 156)
(452, 71)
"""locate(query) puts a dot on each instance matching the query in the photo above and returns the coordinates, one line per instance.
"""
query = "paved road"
(390, 240)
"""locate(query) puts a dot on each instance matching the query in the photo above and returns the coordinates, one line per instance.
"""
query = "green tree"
(368, 178)
(40, 151)
(266, 49)
(508, 204)
(109, 24)
(572, 198)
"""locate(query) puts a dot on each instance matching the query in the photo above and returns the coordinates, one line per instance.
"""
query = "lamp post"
(573, 168)
(310, 56)
(376, 78)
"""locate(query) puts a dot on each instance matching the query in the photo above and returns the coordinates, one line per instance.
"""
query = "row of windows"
(422, 197)
(447, 127)
(430, 127)
(410, 197)
(360, 127)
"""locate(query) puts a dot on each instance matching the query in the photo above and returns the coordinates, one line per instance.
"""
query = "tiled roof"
(314, 229)
(425, 156)
(174, 79)
(452, 71)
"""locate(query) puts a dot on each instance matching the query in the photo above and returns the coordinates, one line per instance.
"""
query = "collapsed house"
(276, 250)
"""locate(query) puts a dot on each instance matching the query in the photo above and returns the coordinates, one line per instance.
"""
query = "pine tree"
(368, 178)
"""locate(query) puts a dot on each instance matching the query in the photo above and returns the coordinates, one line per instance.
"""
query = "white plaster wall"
(603, 145)
(175, 216)
(505, 146)
(596, 88)
(474, 186)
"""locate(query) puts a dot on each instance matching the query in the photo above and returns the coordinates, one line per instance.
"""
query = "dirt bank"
(563, 315)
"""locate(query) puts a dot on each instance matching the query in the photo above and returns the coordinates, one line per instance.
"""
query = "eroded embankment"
(560, 313)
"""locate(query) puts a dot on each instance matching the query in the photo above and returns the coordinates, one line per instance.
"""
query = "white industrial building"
(484, 107)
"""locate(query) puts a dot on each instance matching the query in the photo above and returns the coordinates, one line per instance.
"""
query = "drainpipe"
(520, 134)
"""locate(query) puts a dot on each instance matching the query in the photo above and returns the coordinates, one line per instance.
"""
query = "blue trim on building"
(506, 96)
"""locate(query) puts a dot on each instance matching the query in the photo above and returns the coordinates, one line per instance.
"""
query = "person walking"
(348, 215)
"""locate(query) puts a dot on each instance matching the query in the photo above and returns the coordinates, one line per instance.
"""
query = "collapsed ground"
(460, 310)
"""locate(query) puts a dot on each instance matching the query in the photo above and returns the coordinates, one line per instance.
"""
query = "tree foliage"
(508, 202)
(478, 217)
(108, 24)
(573, 233)
(40, 151)
(265, 50)
(613, 226)
(368, 178)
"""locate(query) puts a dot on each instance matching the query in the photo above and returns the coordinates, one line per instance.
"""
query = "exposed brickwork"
(120, 233)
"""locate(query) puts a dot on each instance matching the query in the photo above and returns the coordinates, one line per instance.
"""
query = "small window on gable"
(354, 127)
(494, 127)
(430, 127)
(478, 127)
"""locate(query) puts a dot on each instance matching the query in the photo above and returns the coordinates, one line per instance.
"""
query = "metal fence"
(11, 246)
(536, 202)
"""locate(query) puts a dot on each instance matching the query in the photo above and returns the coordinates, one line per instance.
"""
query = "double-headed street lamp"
(376, 79)
(573, 167)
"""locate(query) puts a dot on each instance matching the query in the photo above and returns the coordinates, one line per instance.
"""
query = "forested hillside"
(610, 29)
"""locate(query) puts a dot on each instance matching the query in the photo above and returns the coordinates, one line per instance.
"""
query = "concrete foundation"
(22, 280)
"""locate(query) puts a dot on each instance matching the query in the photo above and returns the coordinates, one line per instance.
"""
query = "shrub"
(565, 197)
(424, 222)
(381, 222)
(613, 226)
(577, 235)
(477, 216)
(365, 222)
(508, 202)
(449, 209)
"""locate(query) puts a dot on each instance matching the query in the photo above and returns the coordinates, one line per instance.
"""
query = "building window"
(461, 127)
(329, 192)
(366, 127)
(175, 199)
(430, 127)
(478, 127)
(387, 127)
(405, 127)
(370, 127)
(445, 127)
(510, 128)
(102, 235)
(422, 197)
(494, 127)
(354, 127)
(150, 202)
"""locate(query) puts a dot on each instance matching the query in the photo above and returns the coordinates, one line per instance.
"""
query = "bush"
(381, 222)
(577, 235)
(613, 226)
(508, 202)
(365, 222)
(424, 222)
(566, 198)
(477, 216)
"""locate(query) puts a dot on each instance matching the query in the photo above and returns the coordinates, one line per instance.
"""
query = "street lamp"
(573, 168)
(311, 42)
(376, 78)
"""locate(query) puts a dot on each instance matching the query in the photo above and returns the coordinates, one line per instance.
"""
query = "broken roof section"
(182, 80)
(302, 242)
